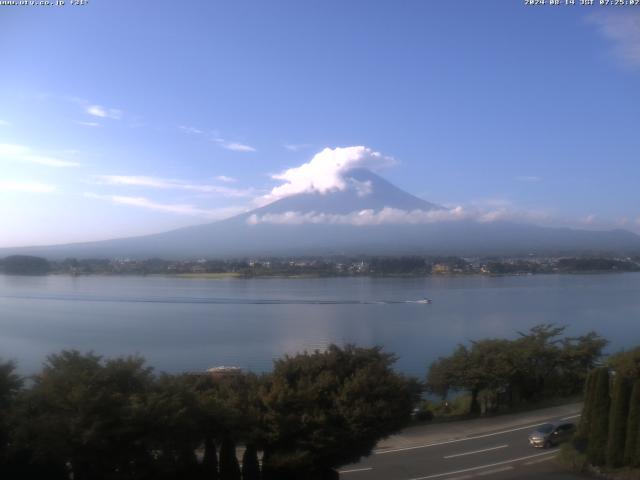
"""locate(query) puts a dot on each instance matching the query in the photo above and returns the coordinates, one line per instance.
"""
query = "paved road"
(477, 451)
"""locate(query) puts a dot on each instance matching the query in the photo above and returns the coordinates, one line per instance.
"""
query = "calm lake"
(192, 324)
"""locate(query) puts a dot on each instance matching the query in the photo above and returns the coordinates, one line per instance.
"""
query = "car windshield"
(546, 428)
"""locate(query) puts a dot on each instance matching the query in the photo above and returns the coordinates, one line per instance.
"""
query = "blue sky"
(122, 118)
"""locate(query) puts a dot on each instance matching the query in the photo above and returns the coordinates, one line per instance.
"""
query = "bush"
(573, 459)
(423, 415)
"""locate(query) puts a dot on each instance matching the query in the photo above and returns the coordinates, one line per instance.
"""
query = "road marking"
(476, 451)
(495, 470)
(464, 477)
(572, 416)
(540, 460)
(354, 470)
(481, 467)
(393, 450)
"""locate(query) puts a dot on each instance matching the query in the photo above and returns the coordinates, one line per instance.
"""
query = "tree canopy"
(24, 265)
(330, 408)
(109, 419)
(538, 364)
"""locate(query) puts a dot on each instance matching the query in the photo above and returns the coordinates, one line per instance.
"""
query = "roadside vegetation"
(86, 417)
(608, 438)
(495, 375)
(89, 418)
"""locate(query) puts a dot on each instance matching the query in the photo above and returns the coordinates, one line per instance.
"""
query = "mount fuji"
(368, 215)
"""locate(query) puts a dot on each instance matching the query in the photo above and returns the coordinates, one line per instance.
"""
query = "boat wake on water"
(214, 301)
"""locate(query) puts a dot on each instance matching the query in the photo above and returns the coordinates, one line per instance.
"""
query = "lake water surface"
(191, 324)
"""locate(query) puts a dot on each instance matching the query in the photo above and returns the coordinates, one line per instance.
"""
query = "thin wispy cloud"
(216, 138)
(103, 112)
(4, 123)
(295, 147)
(89, 124)
(225, 179)
(170, 184)
(192, 130)
(172, 208)
(26, 187)
(528, 178)
(622, 29)
(238, 147)
(233, 146)
(22, 153)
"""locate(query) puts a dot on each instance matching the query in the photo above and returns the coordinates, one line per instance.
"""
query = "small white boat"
(426, 301)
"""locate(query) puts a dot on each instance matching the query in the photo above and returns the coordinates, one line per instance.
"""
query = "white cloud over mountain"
(325, 171)
(364, 217)
(394, 216)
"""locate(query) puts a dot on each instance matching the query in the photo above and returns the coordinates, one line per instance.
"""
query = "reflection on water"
(189, 324)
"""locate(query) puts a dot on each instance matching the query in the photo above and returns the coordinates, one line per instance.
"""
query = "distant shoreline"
(242, 276)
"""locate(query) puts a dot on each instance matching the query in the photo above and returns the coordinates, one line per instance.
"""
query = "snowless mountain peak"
(363, 190)
(363, 214)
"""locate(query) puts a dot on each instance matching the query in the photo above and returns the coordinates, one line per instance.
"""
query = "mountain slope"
(243, 236)
(366, 190)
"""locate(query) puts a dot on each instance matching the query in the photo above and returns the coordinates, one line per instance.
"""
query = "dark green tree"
(229, 467)
(231, 404)
(458, 372)
(250, 464)
(599, 424)
(618, 416)
(171, 418)
(10, 386)
(538, 364)
(584, 427)
(80, 414)
(578, 356)
(626, 363)
(442, 376)
(632, 445)
(492, 363)
(210, 459)
(268, 471)
(326, 409)
(537, 358)
(25, 265)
